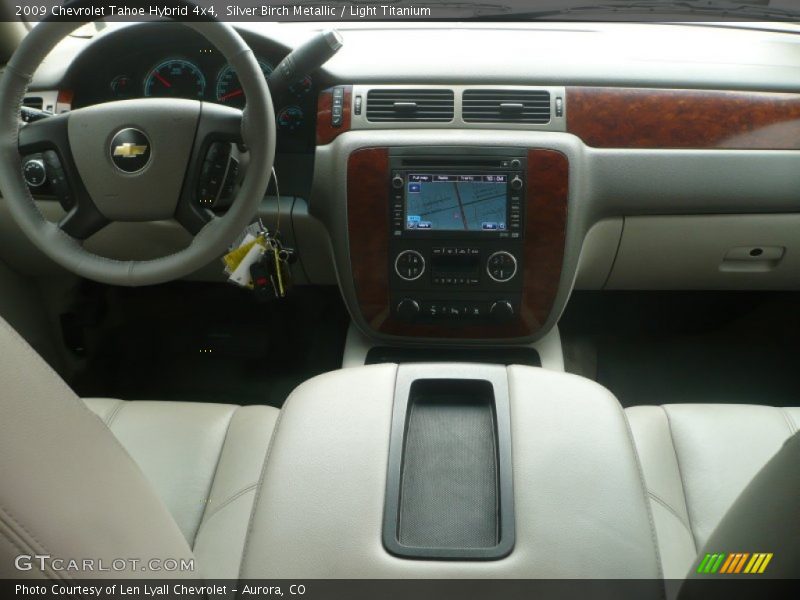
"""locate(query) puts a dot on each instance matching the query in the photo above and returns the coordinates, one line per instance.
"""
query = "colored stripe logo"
(733, 563)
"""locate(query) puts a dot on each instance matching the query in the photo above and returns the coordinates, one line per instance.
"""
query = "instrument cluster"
(195, 72)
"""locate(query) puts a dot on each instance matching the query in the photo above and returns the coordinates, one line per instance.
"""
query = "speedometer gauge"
(175, 78)
(229, 89)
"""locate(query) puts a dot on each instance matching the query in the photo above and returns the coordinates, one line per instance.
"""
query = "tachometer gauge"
(302, 87)
(175, 78)
(290, 118)
(229, 89)
(122, 87)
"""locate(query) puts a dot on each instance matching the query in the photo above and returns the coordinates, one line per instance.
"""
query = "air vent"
(33, 102)
(506, 106)
(430, 105)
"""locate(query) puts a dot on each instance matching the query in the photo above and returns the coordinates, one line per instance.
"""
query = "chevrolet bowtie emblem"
(129, 150)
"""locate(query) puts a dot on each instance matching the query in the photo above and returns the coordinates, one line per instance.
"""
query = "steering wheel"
(135, 160)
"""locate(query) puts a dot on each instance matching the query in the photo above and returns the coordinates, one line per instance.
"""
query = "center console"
(456, 242)
(457, 237)
(455, 471)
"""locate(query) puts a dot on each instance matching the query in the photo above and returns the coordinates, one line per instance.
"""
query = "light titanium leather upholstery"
(176, 480)
(580, 503)
(697, 459)
(68, 489)
(204, 460)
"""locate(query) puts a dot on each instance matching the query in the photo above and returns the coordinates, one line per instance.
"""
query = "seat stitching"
(227, 502)
(32, 550)
(643, 484)
(789, 421)
(260, 486)
(680, 474)
(115, 413)
(40, 550)
(216, 472)
(670, 508)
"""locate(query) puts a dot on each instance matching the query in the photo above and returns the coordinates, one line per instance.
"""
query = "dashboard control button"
(432, 310)
(35, 172)
(502, 310)
(515, 164)
(407, 309)
(501, 266)
(409, 265)
(516, 182)
(397, 182)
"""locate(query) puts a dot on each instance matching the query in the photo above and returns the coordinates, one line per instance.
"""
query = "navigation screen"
(456, 202)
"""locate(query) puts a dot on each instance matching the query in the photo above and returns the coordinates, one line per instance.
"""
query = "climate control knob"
(501, 266)
(397, 182)
(407, 309)
(502, 310)
(409, 265)
(516, 183)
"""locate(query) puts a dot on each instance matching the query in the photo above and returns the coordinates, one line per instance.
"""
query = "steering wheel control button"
(501, 266)
(217, 176)
(35, 172)
(409, 265)
(130, 150)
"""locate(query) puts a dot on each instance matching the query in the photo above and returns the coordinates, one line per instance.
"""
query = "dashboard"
(464, 189)
(180, 64)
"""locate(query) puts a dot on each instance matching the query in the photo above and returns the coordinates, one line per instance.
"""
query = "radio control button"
(516, 182)
(515, 164)
(502, 310)
(501, 266)
(407, 309)
(474, 311)
(409, 265)
(397, 182)
(454, 310)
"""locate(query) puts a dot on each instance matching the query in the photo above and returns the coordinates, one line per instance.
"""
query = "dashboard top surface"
(658, 55)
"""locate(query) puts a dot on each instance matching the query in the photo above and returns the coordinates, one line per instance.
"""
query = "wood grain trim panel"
(368, 231)
(606, 117)
(545, 235)
(326, 132)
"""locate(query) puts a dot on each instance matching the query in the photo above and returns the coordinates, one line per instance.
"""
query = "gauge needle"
(162, 80)
(232, 94)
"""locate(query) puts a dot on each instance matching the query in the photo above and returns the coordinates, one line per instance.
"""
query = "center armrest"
(579, 503)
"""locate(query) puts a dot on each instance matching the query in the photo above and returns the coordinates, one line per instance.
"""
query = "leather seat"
(107, 479)
(697, 459)
(204, 461)
(155, 480)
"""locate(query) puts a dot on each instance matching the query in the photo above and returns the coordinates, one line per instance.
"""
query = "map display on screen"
(438, 202)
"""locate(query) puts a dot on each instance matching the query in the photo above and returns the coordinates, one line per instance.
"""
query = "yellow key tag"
(235, 257)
